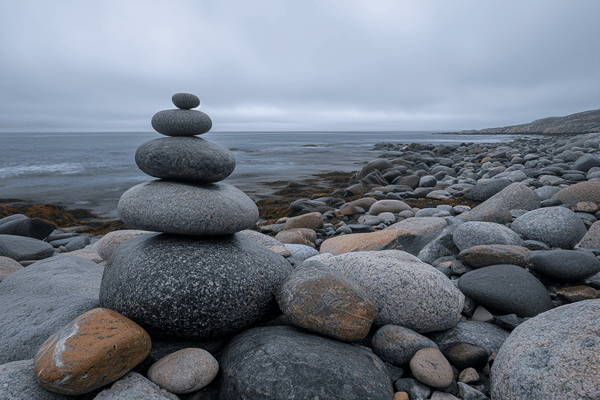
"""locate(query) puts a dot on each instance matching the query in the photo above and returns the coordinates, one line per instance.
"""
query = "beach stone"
(305, 206)
(187, 209)
(577, 293)
(109, 242)
(465, 355)
(267, 241)
(28, 227)
(78, 243)
(546, 192)
(414, 388)
(408, 180)
(513, 176)
(378, 164)
(406, 291)
(185, 101)
(17, 382)
(585, 207)
(312, 220)
(13, 217)
(8, 266)
(552, 356)
(586, 162)
(181, 122)
(387, 218)
(397, 345)
(430, 367)
(427, 181)
(467, 392)
(483, 315)
(192, 288)
(37, 301)
(134, 386)
(21, 248)
(374, 241)
(365, 203)
(322, 300)
(302, 236)
(299, 253)
(281, 363)
(187, 159)
(555, 226)
(565, 265)
(442, 396)
(507, 289)
(474, 233)
(442, 246)
(95, 349)
(393, 206)
(483, 190)
(184, 371)
(85, 253)
(591, 239)
(485, 335)
(420, 225)
(492, 254)
(583, 191)
(401, 396)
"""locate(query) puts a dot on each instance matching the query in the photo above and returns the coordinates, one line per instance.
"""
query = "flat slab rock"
(187, 209)
(284, 363)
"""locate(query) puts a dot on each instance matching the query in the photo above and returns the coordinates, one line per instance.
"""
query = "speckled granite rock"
(474, 233)
(555, 226)
(187, 209)
(267, 241)
(21, 248)
(397, 345)
(184, 371)
(134, 386)
(185, 101)
(187, 159)
(553, 356)
(181, 122)
(482, 334)
(405, 290)
(492, 254)
(38, 300)
(192, 288)
(420, 226)
(281, 363)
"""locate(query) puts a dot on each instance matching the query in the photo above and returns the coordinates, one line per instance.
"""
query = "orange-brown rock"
(365, 203)
(97, 348)
(313, 220)
(298, 236)
(319, 298)
(578, 293)
(493, 254)
(401, 396)
(395, 239)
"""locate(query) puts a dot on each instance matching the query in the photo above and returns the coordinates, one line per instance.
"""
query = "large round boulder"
(553, 356)
(554, 226)
(283, 363)
(405, 290)
(475, 233)
(187, 209)
(193, 288)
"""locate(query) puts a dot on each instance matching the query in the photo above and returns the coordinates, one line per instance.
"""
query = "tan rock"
(482, 315)
(319, 298)
(298, 236)
(430, 367)
(591, 240)
(583, 191)
(578, 293)
(374, 241)
(493, 254)
(585, 206)
(97, 348)
(86, 253)
(468, 375)
(312, 220)
(267, 241)
(420, 226)
(393, 206)
(107, 245)
(8, 266)
(365, 203)
(184, 371)
(352, 210)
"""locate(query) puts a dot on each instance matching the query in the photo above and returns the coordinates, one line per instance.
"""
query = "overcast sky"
(297, 65)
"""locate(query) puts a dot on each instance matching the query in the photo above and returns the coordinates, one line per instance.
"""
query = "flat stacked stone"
(197, 278)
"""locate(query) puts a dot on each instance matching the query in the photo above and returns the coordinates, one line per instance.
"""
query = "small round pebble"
(184, 371)
(185, 101)
(431, 367)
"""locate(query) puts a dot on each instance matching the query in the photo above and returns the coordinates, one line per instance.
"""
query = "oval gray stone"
(507, 289)
(282, 363)
(21, 248)
(482, 334)
(187, 209)
(188, 159)
(475, 233)
(185, 101)
(192, 288)
(565, 265)
(181, 122)
(553, 356)
(397, 345)
(555, 226)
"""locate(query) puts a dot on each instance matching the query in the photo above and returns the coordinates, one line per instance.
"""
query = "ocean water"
(91, 170)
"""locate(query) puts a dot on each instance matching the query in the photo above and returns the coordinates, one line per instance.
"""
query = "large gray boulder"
(192, 288)
(187, 209)
(553, 356)
(405, 290)
(284, 363)
(474, 233)
(554, 226)
(37, 301)
(483, 190)
(21, 248)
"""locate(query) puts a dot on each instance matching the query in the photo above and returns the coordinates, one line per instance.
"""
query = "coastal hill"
(583, 122)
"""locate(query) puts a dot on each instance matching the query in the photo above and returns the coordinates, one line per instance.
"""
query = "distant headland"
(583, 122)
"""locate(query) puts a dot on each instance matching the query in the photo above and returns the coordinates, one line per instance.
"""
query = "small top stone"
(185, 101)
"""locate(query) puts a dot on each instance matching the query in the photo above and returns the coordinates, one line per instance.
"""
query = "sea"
(91, 170)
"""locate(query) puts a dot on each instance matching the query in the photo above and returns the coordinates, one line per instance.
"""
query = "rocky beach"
(436, 271)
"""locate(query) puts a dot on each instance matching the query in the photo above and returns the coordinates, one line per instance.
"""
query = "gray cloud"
(269, 65)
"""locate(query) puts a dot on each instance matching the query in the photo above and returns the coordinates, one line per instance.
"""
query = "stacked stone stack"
(197, 278)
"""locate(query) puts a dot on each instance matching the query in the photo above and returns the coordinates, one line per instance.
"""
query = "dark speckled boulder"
(192, 288)
(190, 159)
(187, 209)
(284, 363)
